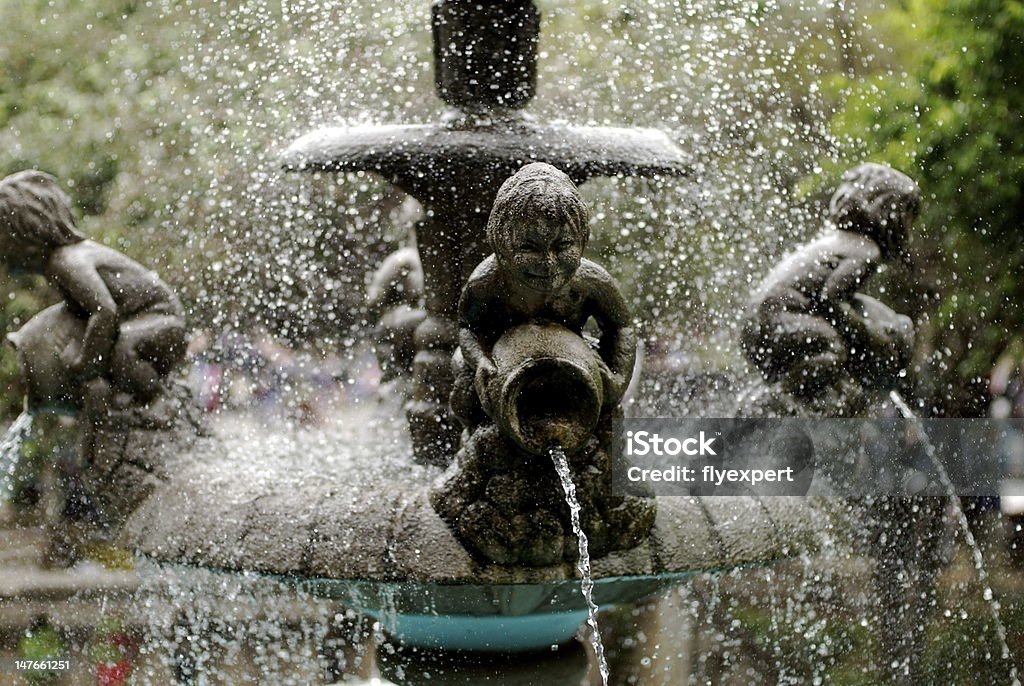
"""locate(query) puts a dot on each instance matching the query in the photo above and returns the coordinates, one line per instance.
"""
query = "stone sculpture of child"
(134, 331)
(538, 228)
(807, 324)
(537, 284)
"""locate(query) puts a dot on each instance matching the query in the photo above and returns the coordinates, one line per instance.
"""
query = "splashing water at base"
(587, 582)
(10, 453)
(961, 517)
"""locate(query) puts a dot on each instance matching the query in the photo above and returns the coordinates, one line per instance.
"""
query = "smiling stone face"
(538, 228)
(543, 256)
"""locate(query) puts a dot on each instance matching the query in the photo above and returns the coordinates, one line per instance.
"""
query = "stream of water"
(587, 583)
(10, 453)
(961, 517)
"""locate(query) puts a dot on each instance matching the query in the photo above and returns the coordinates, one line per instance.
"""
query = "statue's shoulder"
(809, 258)
(75, 256)
(485, 274)
(593, 280)
(852, 244)
(843, 243)
(483, 286)
(591, 272)
(89, 252)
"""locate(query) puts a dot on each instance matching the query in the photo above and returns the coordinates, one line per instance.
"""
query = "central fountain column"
(485, 61)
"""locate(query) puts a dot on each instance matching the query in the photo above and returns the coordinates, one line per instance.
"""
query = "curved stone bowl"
(423, 158)
(343, 511)
(40, 344)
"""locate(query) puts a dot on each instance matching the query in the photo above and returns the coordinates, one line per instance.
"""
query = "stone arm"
(473, 350)
(398, 280)
(885, 338)
(473, 317)
(851, 272)
(618, 341)
(82, 285)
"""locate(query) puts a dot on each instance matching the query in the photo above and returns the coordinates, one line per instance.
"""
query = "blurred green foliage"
(952, 117)
(42, 642)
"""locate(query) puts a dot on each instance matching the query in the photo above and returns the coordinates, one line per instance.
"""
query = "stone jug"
(883, 341)
(39, 344)
(548, 389)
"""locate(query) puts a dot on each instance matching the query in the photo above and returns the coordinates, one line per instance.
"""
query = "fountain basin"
(344, 511)
(482, 617)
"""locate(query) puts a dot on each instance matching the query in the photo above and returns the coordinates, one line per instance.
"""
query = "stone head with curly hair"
(35, 219)
(539, 227)
(876, 201)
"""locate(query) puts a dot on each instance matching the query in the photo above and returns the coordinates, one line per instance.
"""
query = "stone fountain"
(453, 533)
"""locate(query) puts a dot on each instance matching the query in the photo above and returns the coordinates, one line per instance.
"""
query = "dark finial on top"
(485, 53)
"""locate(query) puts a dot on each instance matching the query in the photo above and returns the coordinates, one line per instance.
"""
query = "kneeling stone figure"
(526, 381)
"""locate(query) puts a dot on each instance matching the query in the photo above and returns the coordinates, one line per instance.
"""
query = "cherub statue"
(527, 380)
(538, 228)
(806, 324)
(131, 323)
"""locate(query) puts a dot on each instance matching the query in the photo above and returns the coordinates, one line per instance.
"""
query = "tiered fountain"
(381, 519)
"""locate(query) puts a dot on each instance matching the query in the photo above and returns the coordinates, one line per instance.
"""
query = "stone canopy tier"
(421, 159)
